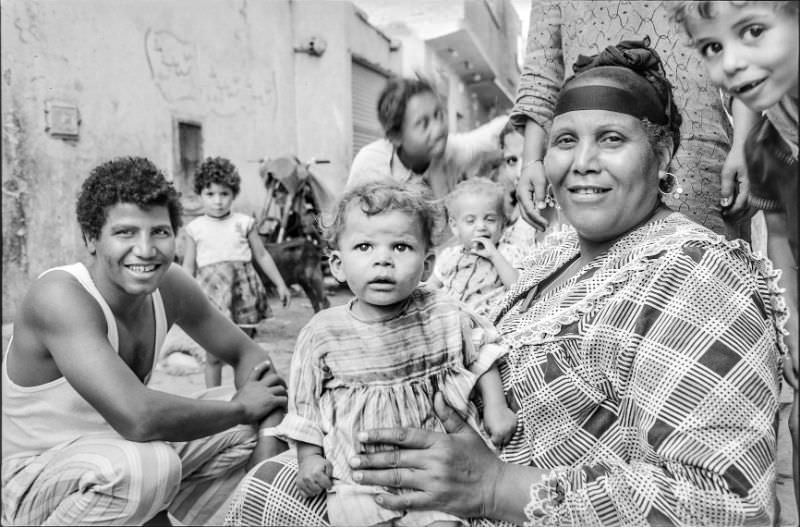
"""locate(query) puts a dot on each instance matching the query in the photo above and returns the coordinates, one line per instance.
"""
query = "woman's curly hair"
(379, 197)
(393, 100)
(133, 180)
(217, 170)
(638, 57)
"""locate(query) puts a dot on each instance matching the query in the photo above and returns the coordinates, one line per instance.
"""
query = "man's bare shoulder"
(55, 308)
(57, 296)
(180, 293)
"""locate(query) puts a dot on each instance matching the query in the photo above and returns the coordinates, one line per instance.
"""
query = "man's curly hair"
(217, 170)
(133, 180)
(379, 197)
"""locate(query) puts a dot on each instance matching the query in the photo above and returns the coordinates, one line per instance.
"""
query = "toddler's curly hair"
(133, 180)
(217, 170)
(379, 197)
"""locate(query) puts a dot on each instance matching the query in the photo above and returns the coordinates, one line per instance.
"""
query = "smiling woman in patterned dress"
(644, 354)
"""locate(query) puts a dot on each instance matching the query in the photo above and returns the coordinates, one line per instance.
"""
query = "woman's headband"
(619, 79)
(639, 101)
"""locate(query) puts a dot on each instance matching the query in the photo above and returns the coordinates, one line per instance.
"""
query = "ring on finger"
(395, 458)
(396, 477)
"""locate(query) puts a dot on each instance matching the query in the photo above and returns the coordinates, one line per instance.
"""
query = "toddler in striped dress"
(481, 266)
(378, 360)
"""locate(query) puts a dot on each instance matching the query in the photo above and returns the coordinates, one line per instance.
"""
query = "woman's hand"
(531, 192)
(454, 472)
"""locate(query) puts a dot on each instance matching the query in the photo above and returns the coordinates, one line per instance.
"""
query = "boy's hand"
(314, 475)
(284, 294)
(500, 423)
(483, 247)
(734, 185)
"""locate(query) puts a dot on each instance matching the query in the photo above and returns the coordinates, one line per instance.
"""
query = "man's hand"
(314, 475)
(263, 392)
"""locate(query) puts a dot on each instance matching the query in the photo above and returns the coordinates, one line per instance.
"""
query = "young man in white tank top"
(85, 441)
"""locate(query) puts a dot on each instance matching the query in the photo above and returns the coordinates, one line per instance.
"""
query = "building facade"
(84, 81)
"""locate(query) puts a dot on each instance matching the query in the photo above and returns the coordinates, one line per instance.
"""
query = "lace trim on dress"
(632, 251)
(545, 497)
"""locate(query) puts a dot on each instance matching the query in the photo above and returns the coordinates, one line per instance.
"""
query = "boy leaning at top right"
(751, 52)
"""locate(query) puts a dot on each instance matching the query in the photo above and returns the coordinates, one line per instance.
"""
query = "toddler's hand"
(500, 423)
(483, 247)
(314, 475)
(285, 295)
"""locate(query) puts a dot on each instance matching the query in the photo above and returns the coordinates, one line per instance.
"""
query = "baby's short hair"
(683, 10)
(393, 100)
(217, 170)
(385, 196)
(478, 186)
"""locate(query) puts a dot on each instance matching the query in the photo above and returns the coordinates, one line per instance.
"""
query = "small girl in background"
(378, 360)
(220, 247)
(479, 269)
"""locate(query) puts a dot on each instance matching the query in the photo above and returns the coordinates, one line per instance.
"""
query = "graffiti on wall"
(223, 88)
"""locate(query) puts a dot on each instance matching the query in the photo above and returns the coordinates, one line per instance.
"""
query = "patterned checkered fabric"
(648, 382)
(235, 289)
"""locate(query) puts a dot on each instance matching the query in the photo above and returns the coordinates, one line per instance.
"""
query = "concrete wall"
(133, 68)
(496, 32)
(130, 67)
(323, 83)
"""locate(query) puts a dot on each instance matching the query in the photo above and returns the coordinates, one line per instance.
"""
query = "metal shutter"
(366, 87)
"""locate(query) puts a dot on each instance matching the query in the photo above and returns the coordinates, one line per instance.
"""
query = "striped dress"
(647, 382)
(349, 375)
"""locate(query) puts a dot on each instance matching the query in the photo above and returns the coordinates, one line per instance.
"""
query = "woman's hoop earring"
(549, 198)
(668, 184)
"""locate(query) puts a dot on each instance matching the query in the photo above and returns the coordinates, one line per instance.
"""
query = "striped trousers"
(103, 479)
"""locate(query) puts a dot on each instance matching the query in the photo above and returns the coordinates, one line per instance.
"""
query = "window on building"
(367, 84)
(189, 142)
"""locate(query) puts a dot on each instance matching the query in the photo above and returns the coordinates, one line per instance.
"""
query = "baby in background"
(479, 269)
(378, 360)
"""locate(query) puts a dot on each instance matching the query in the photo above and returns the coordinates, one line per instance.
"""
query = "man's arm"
(70, 325)
(189, 254)
(188, 306)
(371, 163)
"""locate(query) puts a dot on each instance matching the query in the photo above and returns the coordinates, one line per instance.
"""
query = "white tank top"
(36, 418)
